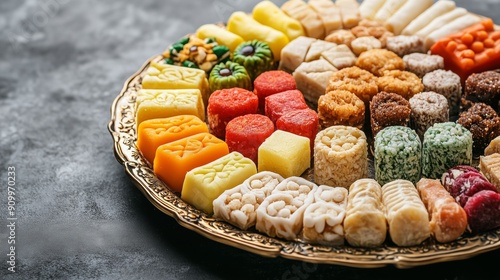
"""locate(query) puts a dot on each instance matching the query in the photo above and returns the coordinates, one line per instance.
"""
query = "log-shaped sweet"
(246, 133)
(278, 104)
(397, 155)
(406, 214)
(323, 218)
(155, 132)
(238, 206)
(369, 8)
(271, 82)
(227, 104)
(340, 156)
(448, 220)
(164, 103)
(249, 29)
(205, 183)
(285, 153)
(281, 213)
(437, 9)
(404, 15)
(299, 10)
(173, 160)
(221, 35)
(365, 224)
(267, 13)
(490, 167)
(165, 76)
(301, 122)
(445, 145)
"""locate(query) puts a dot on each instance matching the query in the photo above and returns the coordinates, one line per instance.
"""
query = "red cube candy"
(301, 122)
(278, 104)
(271, 82)
(246, 133)
(227, 104)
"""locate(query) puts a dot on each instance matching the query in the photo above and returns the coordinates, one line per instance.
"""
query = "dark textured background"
(62, 62)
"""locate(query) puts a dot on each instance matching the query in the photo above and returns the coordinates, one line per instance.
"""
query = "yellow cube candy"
(285, 153)
(221, 35)
(165, 76)
(153, 104)
(204, 184)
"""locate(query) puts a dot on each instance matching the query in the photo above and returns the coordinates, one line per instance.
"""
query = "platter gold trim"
(123, 129)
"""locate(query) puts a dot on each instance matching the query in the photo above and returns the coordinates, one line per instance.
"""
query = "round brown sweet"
(340, 107)
(353, 79)
(388, 109)
(484, 124)
(403, 83)
(421, 63)
(377, 61)
(483, 87)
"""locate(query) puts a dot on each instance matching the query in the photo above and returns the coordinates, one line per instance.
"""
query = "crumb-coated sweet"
(377, 61)
(356, 80)
(427, 108)
(271, 82)
(448, 84)
(483, 122)
(403, 44)
(388, 109)
(421, 63)
(341, 36)
(365, 43)
(341, 107)
(403, 83)
(483, 87)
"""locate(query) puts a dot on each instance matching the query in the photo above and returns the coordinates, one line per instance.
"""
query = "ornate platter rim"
(123, 131)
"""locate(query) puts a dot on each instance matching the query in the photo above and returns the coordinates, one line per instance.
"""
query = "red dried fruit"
(483, 211)
(468, 184)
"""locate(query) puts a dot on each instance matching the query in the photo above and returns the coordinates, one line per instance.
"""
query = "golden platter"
(123, 129)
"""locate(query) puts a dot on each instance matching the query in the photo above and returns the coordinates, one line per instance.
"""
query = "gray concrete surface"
(62, 62)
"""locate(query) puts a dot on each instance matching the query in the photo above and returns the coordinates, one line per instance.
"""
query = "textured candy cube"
(154, 104)
(285, 153)
(205, 183)
(173, 160)
(271, 82)
(155, 132)
(445, 145)
(397, 155)
(165, 76)
(301, 122)
(278, 104)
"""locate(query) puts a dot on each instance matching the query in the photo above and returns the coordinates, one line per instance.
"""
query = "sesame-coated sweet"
(484, 124)
(421, 63)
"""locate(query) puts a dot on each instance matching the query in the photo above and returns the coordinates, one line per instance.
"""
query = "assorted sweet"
(365, 224)
(445, 145)
(246, 133)
(448, 220)
(271, 82)
(229, 75)
(474, 49)
(194, 52)
(421, 63)
(203, 184)
(323, 219)
(227, 104)
(407, 217)
(427, 108)
(483, 122)
(341, 107)
(249, 29)
(355, 57)
(152, 104)
(404, 83)
(285, 153)
(174, 159)
(165, 76)
(446, 83)
(388, 109)
(255, 56)
(340, 156)
(281, 214)
(398, 153)
(155, 132)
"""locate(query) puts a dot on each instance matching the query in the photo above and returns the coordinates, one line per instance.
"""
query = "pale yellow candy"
(204, 184)
(165, 103)
(165, 76)
(285, 153)
(267, 13)
(250, 29)
(221, 35)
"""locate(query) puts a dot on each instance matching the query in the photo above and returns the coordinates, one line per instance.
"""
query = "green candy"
(229, 75)
(170, 61)
(175, 49)
(184, 41)
(190, 64)
(256, 56)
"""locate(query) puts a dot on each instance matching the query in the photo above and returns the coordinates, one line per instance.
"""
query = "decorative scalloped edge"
(123, 130)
